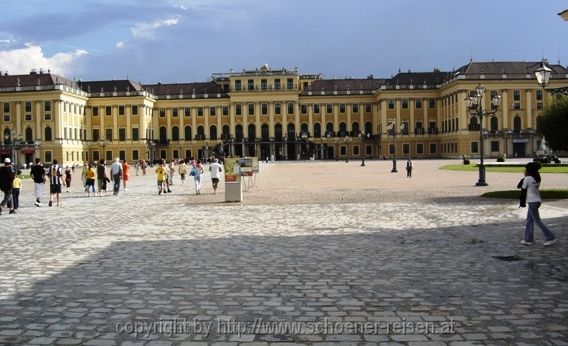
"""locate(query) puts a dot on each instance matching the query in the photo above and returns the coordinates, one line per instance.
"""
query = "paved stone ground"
(327, 247)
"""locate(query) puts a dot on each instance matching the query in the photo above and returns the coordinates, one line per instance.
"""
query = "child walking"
(16, 187)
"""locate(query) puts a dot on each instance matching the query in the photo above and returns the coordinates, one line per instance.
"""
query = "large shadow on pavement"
(479, 276)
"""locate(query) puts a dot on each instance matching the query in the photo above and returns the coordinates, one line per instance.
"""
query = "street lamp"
(37, 142)
(103, 143)
(475, 106)
(347, 140)
(336, 141)
(392, 130)
(361, 138)
(542, 74)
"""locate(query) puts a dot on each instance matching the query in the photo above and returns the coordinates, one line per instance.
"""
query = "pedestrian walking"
(116, 173)
(16, 187)
(161, 177)
(531, 183)
(90, 180)
(125, 174)
(197, 171)
(67, 178)
(182, 171)
(409, 168)
(55, 180)
(6, 185)
(102, 178)
(215, 169)
(171, 171)
(37, 173)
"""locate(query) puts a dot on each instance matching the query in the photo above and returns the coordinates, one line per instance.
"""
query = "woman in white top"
(531, 183)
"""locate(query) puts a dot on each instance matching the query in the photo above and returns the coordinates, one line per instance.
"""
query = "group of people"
(165, 174)
(119, 172)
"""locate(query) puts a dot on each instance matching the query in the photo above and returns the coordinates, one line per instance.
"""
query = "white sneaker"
(550, 242)
(524, 242)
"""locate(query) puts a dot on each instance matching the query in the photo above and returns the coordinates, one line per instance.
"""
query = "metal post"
(481, 181)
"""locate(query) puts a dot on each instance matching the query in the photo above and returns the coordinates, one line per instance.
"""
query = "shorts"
(182, 176)
(215, 181)
(55, 188)
(160, 183)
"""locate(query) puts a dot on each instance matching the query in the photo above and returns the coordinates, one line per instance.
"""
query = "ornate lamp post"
(36, 146)
(542, 74)
(392, 130)
(336, 141)
(103, 143)
(347, 141)
(361, 139)
(474, 103)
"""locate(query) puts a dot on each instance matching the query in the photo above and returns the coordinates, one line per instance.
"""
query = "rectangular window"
(368, 108)
(264, 109)
(95, 111)
(199, 111)
(174, 112)
(251, 109)
(47, 116)
(122, 134)
(28, 117)
(134, 110)
(108, 134)
(343, 149)
(356, 150)
(47, 106)
(418, 103)
(406, 149)
(289, 84)
(277, 84)
(96, 135)
(176, 154)
(304, 109)
(120, 110)
(225, 111)
(238, 85)
(238, 110)
(342, 108)
(419, 148)
(329, 108)
(277, 109)
(516, 95)
(433, 148)
(355, 107)
(390, 103)
(474, 147)
(316, 109)
(162, 112)
(494, 145)
(516, 105)
(250, 84)
(212, 111)
(391, 149)
(28, 107)
(135, 155)
(48, 156)
(290, 108)
(539, 105)
(404, 103)
(263, 84)
(6, 118)
(431, 103)
(539, 95)
(187, 111)
(108, 111)
(135, 135)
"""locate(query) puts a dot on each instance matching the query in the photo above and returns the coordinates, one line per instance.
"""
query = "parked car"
(546, 158)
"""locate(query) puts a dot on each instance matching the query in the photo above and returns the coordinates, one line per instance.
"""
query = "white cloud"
(147, 30)
(22, 60)
(120, 44)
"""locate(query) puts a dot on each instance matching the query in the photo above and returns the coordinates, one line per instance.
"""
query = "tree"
(553, 124)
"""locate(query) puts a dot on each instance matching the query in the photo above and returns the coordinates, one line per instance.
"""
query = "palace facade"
(277, 113)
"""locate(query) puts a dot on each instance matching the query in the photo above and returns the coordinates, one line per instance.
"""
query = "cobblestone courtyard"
(325, 246)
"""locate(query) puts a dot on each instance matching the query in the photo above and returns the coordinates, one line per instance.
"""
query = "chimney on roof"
(33, 71)
(40, 71)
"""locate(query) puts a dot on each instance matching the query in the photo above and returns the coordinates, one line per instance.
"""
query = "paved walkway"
(318, 253)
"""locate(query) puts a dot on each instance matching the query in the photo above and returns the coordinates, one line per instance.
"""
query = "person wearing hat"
(6, 182)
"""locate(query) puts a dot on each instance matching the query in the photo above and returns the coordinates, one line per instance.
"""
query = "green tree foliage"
(553, 124)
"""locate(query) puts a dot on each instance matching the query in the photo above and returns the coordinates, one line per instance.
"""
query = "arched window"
(48, 135)
(200, 132)
(29, 135)
(264, 132)
(368, 128)
(355, 129)
(163, 135)
(494, 124)
(473, 125)
(304, 128)
(213, 132)
(251, 132)
(317, 130)
(278, 131)
(175, 133)
(291, 131)
(226, 132)
(517, 124)
(187, 133)
(329, 129)
(342, 129)
(239, 131)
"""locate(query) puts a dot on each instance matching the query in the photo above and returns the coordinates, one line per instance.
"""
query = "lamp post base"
(481, 183)
(394, 166)
(363, 162)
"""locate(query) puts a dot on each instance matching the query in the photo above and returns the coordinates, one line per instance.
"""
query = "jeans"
(116, 181)
(197, 180)
(7, 201)
(532, 218)
(16, 198)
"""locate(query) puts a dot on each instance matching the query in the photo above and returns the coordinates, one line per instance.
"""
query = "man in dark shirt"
(38, 175)
(6, 181)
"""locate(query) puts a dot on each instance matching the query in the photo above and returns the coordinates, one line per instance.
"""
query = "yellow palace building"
(277, 113)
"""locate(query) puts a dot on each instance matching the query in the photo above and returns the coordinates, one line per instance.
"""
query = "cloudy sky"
(188, 40)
